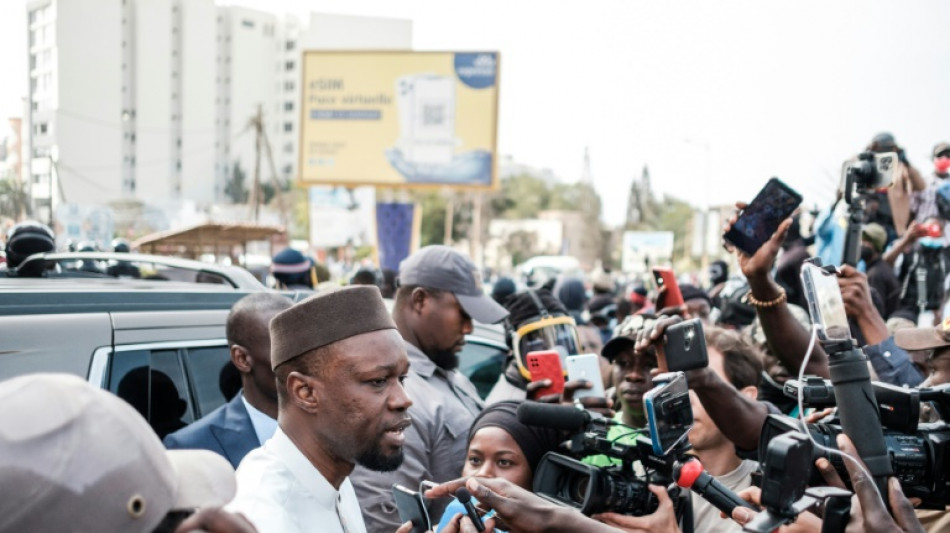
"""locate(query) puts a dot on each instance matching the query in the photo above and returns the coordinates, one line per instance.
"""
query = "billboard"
(399, 119)
(645, 249)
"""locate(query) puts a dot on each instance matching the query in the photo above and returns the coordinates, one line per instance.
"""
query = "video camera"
(620, 488)
(868, 172)
(862, 177)
(919, 452)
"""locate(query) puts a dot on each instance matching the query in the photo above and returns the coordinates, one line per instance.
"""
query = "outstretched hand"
(759, 264)
(660, 521)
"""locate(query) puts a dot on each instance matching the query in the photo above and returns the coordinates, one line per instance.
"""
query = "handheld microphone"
(691, 475)
(556, 416)
(465, 498)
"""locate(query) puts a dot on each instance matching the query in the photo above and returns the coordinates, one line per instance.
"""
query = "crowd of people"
(342, 398)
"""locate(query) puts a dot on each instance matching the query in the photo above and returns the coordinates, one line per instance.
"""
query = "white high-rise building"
(151, 100)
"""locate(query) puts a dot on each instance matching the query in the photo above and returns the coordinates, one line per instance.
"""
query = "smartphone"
(885, 165)
(685, 346)
(759, 220)
(825, 305)
(587, 367)
(412, 507)
(669, 413)
(666, 283)
(546, 364)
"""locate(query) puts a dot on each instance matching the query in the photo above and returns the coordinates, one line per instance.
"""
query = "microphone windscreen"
(553, 416)
(463, 495)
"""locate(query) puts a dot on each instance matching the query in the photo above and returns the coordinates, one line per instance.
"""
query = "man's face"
(939, 367)
(632, 375)
(258, 348)
(698, 308)
(442, 328)
(363, 402)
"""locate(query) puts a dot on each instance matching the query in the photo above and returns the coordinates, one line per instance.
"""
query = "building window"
(289, 148)
(288, 85)
(289, 65)
(288, 127)
(290, 45)
(288, 106)
(288, 169)
(247, 23)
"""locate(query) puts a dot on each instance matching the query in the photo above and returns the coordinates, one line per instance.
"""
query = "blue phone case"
(651, 423)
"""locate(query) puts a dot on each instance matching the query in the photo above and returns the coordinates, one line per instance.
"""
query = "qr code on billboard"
(433, 115)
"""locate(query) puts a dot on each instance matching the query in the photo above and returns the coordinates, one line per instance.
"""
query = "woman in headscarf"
(501, 446)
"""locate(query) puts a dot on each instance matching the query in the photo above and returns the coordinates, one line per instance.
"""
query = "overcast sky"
(736, 91)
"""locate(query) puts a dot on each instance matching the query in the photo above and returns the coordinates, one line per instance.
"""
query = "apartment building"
(150, 101)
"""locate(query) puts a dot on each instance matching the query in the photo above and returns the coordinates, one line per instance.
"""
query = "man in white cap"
(439, 294)
(77, 458)
(340, 365)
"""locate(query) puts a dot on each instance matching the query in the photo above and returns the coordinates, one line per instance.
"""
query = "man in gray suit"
(250, 418)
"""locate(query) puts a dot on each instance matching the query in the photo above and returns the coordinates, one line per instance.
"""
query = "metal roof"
(207, 236)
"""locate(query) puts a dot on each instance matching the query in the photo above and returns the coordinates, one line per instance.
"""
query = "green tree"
(236, 187)
(676, 215)
(14, 197)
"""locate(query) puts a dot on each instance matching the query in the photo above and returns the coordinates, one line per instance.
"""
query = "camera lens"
(578, 488)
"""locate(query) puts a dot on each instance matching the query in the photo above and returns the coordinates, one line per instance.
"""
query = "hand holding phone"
(586, 367)
(412, 507)
(684, 345)
(546, 364)
(825, 305)
(761, 218)
(669, 413)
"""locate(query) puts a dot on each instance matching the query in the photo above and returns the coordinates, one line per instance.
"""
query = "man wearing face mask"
(880, 274)
(924, 203)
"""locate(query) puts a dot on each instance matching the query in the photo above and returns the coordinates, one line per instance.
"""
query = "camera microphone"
(554, 416)
(691, 475)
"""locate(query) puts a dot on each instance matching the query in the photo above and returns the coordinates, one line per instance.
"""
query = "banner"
(645, 249)
(397, 227)
(399, 119)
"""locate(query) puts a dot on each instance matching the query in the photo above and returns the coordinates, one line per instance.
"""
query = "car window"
(153, 382)
(482, 364)
(214, 379)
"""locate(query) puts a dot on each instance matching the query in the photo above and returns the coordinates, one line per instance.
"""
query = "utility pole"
(261, 142)
(256, 123)
(447, 193)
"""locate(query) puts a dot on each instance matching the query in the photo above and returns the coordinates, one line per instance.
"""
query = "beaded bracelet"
(771, 303)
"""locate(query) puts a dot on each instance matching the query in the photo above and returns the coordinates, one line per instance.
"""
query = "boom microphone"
(554, 416)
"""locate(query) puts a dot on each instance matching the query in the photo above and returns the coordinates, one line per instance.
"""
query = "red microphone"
(691, 475)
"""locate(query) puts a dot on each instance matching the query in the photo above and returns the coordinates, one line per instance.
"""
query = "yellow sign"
(399, 118)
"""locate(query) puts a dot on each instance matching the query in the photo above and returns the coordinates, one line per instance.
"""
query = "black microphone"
(465, 498)
(555, 416)
(691, 475)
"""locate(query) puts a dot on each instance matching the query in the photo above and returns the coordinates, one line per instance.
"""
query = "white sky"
(784, 88)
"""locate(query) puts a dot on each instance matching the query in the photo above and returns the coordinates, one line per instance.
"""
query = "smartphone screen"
(825, 305)
(759, 220)
(669, 413)
(586, 367)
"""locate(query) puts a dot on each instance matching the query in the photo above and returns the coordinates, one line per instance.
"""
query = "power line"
(120, 125)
